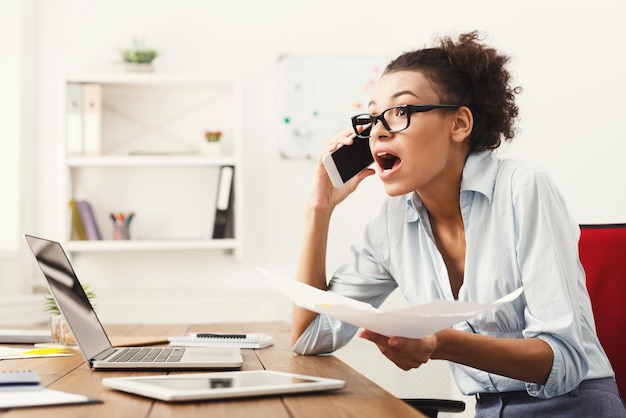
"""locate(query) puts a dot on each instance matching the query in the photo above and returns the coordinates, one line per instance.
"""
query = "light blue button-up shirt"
(518, 232)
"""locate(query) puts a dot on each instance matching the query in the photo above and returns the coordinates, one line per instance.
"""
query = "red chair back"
(602, 250)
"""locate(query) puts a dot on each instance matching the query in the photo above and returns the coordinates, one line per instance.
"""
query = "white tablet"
(221, 385)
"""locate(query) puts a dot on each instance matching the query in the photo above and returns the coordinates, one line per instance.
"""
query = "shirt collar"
(413, 207)
(479, 175)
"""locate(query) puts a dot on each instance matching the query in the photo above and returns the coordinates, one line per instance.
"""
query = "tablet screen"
(183, 383)
(219, 385)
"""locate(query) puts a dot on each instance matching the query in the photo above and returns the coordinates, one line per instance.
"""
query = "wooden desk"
(360, 398)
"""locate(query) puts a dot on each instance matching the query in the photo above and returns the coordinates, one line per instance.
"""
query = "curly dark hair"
(474, 75)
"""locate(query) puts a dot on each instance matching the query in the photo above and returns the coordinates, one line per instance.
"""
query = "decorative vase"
(138, 67)
(60, 331)
(213, 148)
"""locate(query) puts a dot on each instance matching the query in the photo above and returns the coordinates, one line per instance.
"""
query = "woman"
(463, 224)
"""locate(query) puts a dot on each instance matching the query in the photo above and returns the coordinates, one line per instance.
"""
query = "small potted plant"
(59, 329)
(138, 57)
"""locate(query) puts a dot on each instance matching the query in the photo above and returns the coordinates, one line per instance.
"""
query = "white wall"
(10, 43)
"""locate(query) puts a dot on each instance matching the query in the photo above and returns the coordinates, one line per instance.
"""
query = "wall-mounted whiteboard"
(317, 97)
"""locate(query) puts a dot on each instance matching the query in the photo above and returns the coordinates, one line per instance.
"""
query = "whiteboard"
(317, 97)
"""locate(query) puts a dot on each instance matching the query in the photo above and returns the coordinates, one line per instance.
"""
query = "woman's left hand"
(406, 353)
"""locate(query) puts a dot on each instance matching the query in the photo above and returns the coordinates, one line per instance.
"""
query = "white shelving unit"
(154, 161)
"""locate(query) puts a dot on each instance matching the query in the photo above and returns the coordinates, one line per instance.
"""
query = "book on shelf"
(246, 341)
(223, 225)
(74, 119)
(88, 219)
(77, 228)
(92, 118)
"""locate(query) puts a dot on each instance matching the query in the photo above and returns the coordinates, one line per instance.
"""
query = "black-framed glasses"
(394, 119)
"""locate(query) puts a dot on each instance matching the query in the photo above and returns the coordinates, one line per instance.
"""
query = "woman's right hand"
(318, 211)
(324, 195)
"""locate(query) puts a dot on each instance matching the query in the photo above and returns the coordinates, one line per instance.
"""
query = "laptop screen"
(70, 296)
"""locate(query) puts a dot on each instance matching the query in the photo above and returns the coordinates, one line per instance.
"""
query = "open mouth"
(386, 161)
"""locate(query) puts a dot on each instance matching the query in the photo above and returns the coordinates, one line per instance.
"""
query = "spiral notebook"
(250, 341)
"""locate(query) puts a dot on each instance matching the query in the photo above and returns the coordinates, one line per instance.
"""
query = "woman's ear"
(462, 124)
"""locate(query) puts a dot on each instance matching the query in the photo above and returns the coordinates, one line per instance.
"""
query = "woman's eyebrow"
(396, 95)
(403, 92)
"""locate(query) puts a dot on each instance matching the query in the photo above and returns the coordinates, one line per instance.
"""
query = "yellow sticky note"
(44, 351)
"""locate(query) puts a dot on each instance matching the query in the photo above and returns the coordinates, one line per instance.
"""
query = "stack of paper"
(25, 336)
(20, 389)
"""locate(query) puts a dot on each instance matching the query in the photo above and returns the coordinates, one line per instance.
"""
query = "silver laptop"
(90, 335)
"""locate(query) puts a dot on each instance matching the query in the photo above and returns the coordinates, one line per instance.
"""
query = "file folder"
(224, 223)
(74, 119)
(92, 115)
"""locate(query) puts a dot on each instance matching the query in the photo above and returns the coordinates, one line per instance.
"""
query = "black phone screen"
(350, 160)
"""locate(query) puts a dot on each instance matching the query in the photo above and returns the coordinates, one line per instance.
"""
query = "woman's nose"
(378, 131)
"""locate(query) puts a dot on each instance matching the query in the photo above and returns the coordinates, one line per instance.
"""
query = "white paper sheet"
(412, 322)
(11, 397)
(24, 336)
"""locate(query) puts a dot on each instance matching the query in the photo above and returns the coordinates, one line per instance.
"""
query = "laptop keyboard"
(149, 355)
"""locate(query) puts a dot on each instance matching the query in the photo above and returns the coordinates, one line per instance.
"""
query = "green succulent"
(50, 305)
(138, 54)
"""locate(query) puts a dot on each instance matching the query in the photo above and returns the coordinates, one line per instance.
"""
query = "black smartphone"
(348, 160)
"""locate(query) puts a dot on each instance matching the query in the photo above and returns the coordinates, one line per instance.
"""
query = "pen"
(218, 335)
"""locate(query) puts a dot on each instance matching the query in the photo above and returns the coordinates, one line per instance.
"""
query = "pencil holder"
(121, 225)
(121, 231)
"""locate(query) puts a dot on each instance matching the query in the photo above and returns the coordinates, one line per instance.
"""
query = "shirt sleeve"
(364, 278)
(553, 279)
